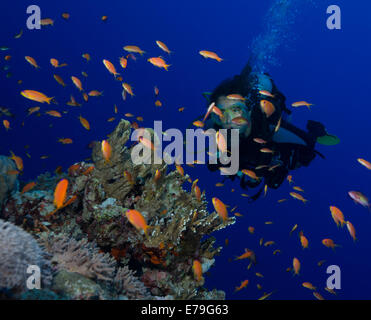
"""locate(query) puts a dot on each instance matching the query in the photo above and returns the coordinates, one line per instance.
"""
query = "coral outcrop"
(92, 238)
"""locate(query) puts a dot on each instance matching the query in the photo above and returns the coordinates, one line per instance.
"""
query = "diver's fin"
(328, 140)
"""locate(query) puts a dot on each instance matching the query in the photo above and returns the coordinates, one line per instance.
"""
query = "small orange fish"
(266, 150)
(308, 285)
(76, 81)
(31, 61)
(163, 46)
(337, 215)
(235, 96)
(197, 270)
(293, 229)
(53, 113)
(134, 49)
(47, 22)
(301, 104)
(220, 208)
(95, 93)
(329, 243)
(60, 193)
(198, 124)
(36, 96)
(303, 240)
(251, 229)
(159, 62)
(243, 285)
(110, 67)
(267, 107)
(318, 296)
(6, 124)
(123, 62)
(211, 55)
(250, 174)
(65, 15)
(298, 189)
(158, 103)
(88, 170)
(59, 80)
(221, 142)
(104, 18)
(55, 63)
(28, 187)
(266, 93)
(137, 220)
(197, 192)
(352, 230)
(248, 254)
(73, 102)
(179, 169)
(156, 91)
(289, 179)
(84, 122)
(65, 141)
(298, 197)
(147, 143)
(296, 266)
(106, 151)
(259, 140)
(365, 163)
(127, 87)
(86, 56)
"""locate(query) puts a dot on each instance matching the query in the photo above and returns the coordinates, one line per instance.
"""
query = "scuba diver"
(269, 145)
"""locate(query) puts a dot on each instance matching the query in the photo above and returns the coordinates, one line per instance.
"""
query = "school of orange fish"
(135, 217)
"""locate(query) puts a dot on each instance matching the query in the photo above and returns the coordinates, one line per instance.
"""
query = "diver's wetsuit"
(273, 167)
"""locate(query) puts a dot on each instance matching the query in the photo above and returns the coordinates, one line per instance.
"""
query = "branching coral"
(18, 251)
(82, 257)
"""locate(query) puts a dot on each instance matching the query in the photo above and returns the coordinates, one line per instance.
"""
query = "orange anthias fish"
(198, 124)
(54, 113)
(352, 230)
(163, 46)
(95, 93)
(221, 142)
(337, 215)
(31, 61)
(197, 270)
(59, 80)
(243, 285)
(365, 163)
(33, 110)
(60, 193)
(84, 123)
(6, 124)
(235, 96)
(211, 55)
(18, 161)
(267, 107)
(86, 56)
(266, 93)
(137, 220)
(220, 208)
(65, 140)
(73, 102)
(250, 174)
(55, 63)
(197, 192)
(110, 67)
(248, 254)
(308, 285)
(47, 22)
(36, 96)
(329, 243)
(106, 150)
(28, 187)
(159, 62)
(127, 87)
(147, 143)
(123, 62)
(76, 81)
(296, 266)
(134, 49)
(359, 198)
(303, 240)
(298, 197)
(302, 104)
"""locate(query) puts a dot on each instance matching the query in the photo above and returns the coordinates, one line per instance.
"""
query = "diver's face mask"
(236, 115)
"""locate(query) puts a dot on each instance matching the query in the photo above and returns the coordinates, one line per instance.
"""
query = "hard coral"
(19, 250)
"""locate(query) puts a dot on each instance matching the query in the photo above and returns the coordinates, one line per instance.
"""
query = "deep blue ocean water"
(327, 67)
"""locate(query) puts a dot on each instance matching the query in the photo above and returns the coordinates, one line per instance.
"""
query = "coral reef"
(19, 250)
(96, 252)
(8, 182)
